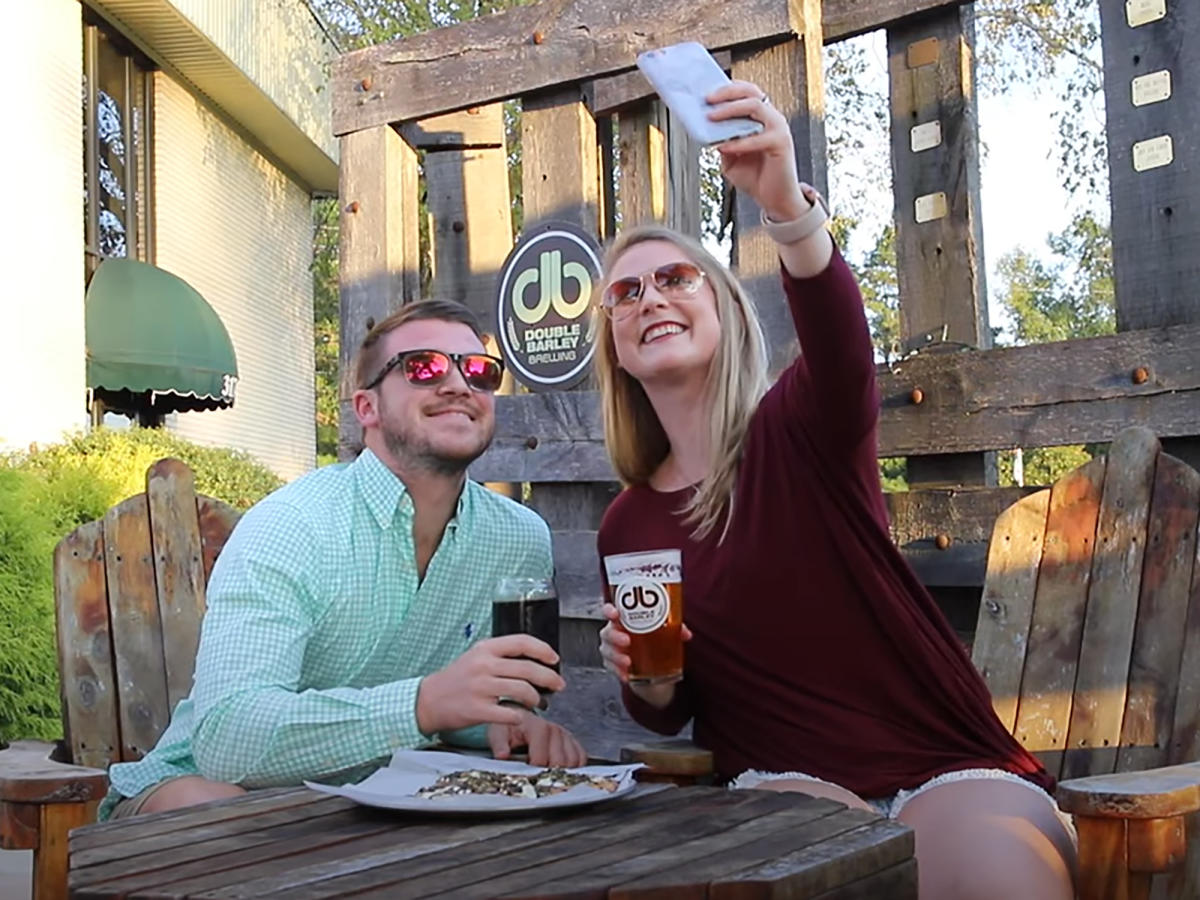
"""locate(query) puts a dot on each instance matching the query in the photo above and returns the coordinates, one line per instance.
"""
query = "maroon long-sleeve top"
(816, 649)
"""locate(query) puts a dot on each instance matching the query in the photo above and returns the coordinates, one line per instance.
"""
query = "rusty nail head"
(472, 110)
(365, 84)
(352, 206)
(917, 396)
(458, 226)
(1141, 375)
(531, 443)
(942, 541)
(538, 37)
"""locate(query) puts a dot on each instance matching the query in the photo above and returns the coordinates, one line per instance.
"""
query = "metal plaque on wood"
(1142, 12)
(923, 53)
(932, 206)
(1154, 153)
(544, 309)
(927, 136)
(1152, 88)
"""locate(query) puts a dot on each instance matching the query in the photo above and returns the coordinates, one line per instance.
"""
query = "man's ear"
(366, 408)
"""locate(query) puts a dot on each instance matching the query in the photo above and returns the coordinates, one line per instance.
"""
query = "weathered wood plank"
(1104, 861)
(50, 857)
(85, 653)
(470, 225)
(178, 570)
(1155, 212)
(1052, 656)
(476, 128)
(378, 252)
(1043, 395)
(683, 177)
(217, 519)
(796, 89)
(1006, 613)
(1104, 656)
(535, 47)
(1185, 736)
(940, 260)
(1155, 672)
(141, 676)
(642, 152)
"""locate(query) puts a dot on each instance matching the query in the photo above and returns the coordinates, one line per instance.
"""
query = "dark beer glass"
(647, 590)
(527, 606)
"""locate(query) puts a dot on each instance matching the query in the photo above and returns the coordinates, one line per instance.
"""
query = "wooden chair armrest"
(1152, 794)
(29, 775)
(677, 760)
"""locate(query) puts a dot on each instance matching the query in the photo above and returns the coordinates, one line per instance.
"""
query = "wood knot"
(365, 84)
(370, 322)
(942, 541)
(538, 37)
(458, 226)
(531, 443)
(1141, 375)
(352, 207)
(917, 397)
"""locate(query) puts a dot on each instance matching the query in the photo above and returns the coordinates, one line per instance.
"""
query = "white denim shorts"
(891, 806)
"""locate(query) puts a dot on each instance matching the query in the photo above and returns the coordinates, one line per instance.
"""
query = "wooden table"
(658, 842)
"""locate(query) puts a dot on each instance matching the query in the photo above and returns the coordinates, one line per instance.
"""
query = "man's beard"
(415, 452)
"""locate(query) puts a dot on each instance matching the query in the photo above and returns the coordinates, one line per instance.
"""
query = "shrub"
(47, 491)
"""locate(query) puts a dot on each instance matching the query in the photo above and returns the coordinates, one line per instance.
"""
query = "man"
(346, 612)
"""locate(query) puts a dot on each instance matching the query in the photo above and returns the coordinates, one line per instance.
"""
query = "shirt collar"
(385, 494)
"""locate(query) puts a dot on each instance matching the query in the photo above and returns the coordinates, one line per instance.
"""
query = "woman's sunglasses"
(429, 368)
(677, 279)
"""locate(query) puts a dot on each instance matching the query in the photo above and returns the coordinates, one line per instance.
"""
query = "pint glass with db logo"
(647, 590)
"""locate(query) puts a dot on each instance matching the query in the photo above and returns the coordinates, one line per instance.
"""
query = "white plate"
(396, 785)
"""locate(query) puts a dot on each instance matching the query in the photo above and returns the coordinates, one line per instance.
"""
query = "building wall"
(238, 230)
(42, 371)
(278, 44)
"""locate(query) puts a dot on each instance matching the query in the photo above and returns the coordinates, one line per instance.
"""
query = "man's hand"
(549, 744)
(467, 692)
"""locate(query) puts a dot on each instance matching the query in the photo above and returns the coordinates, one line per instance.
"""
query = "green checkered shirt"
(318, 632)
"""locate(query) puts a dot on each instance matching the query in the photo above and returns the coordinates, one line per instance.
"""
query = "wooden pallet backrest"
(1089, 628)
(129, 597)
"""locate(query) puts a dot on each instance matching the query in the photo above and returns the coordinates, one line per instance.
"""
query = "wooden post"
(683, 179)
(939, 238)
(1152, 99)
(471, 211)
(642, 134)
(560, 174)
(379, 268)
(791, 75)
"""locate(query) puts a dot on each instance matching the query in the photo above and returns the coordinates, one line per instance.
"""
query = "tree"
(1069, 296)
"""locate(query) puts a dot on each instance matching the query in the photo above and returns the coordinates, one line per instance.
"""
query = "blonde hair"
(737, 379)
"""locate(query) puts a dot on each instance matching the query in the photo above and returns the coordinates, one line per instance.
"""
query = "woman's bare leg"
(989, 839)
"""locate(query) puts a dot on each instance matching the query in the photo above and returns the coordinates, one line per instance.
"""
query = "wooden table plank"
(224, 827)
(474, 837)
(763, 832)
(601, 861)
(824, 866)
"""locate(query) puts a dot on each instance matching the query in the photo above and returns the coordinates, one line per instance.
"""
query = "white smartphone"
(683, 75)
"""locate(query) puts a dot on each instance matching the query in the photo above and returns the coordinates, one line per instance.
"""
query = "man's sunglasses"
(429, 368)
(674, 280)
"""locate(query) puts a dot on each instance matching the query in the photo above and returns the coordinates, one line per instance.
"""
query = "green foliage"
(881, 294)
(1043, 465)
(46, 492)
(893, 474)
(29, 523)
(1069, 296)
(326, 322)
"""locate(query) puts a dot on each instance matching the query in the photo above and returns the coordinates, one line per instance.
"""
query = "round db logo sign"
(642, 604)
(544, 306)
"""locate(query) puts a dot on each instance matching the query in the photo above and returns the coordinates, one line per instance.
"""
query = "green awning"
(154, 342)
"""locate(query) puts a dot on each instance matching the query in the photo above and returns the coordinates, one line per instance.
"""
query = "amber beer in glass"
(647, 590)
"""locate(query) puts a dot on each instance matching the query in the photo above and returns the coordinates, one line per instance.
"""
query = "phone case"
(683, 75)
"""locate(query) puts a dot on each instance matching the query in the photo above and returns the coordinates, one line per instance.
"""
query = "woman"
(816, 661)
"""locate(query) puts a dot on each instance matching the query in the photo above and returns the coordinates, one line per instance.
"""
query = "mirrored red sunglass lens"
(481, 372)
(622, 291)
(676, 276)
(423, 368)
